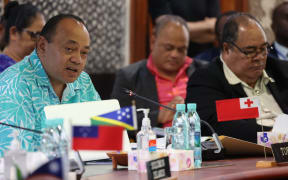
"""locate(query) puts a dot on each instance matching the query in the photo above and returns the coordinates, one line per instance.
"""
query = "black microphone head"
(127, 91)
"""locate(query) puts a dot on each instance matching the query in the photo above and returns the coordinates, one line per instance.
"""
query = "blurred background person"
(200, 16)
(211, 53)
(280, 28)
(23, 23)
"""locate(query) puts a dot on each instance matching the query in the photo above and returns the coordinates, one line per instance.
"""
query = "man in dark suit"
(164, 75)
(240, 72)
(280, 28)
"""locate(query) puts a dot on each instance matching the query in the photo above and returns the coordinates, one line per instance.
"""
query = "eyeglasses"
(254, 51)
(33, 35)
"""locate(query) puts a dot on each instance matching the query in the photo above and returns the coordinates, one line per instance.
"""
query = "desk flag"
(97, 138)
(125, 117)
(238, 108)
(53, 168)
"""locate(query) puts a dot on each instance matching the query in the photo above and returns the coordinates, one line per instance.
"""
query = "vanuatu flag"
(97, 138)
(125, 117)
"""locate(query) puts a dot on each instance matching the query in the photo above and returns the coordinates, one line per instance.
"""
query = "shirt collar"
(233, 79)
(42, 77)
(151, 66)
(281, 50)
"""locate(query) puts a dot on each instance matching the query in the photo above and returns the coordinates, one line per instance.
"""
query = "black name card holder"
(158, 168)
(280, 152)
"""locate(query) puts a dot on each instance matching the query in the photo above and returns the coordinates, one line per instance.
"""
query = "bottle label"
(152, 145)
(197, 139)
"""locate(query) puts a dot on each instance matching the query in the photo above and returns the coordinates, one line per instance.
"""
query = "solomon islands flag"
(125, 117)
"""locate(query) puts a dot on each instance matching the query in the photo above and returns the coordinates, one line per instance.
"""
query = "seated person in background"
(200, 16)
(163, 76)
(214, 52)
(52, 74)
(240, 72)
(280, 29)
(23, 23)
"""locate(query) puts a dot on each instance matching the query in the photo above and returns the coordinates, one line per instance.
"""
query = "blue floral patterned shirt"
(5, 62)
(24, 92)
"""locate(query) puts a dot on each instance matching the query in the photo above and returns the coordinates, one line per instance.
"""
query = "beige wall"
(262, 10)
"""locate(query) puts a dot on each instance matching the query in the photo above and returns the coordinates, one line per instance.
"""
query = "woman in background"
(23, 23)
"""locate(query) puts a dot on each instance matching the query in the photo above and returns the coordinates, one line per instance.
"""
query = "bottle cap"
(191, 106)
(53, 122)
(145, 120)
(180, 107)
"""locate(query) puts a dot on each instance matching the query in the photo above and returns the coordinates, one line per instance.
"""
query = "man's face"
(64, 58)
(280, 24)
(169, 48)
(252, 41)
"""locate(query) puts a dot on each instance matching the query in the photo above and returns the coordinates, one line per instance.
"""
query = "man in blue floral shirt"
(52, 74)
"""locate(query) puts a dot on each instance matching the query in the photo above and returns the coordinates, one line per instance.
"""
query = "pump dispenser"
(146, 138)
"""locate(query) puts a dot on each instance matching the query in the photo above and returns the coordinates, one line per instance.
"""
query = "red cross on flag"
(238, 108)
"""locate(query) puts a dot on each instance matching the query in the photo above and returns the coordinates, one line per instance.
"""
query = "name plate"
(280, 152)
(158, 168)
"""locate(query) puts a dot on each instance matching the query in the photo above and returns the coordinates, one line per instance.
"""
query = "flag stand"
(266, 163)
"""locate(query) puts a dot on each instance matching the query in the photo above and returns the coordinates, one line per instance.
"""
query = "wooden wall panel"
(138, 29)
(234, 5)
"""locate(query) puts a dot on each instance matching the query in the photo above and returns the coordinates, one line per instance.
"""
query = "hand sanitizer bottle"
(146, 138)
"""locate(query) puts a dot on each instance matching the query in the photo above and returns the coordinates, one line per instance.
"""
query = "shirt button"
(257, 92)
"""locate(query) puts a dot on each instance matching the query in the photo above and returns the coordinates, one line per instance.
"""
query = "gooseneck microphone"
(19, 127)
(214, 134)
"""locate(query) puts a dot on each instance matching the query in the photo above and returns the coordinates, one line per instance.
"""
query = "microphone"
(214, 134)
(19, 127)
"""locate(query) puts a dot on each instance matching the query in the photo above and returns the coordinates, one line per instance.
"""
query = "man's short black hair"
(163, 20)
(50, 27)
(231, 27)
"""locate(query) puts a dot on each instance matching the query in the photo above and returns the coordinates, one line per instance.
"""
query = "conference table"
(234, 168)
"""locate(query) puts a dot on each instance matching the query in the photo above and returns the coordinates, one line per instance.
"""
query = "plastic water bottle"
(191, 119)
(14, 157)
(197, 134)
(55, 144)
(180, 125)
(146, 138)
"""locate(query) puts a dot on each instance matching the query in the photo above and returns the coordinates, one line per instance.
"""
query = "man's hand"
(166, 115)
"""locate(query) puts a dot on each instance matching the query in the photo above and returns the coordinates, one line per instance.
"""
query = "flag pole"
(266, 163)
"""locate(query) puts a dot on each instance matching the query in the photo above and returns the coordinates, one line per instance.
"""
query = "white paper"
(281, 124)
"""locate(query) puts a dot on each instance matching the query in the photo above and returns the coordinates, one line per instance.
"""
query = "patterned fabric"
(168, 89)
(106, 21)
(25, 90)
(5, 62)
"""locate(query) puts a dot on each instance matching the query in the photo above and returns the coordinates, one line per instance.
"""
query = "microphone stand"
(214, 134)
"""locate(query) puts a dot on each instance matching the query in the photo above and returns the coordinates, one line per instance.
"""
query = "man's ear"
(226, 48)
(152, 42)
(13, 33)
(41, 45)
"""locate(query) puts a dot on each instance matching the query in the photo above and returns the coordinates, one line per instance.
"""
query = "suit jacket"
(209, 84)
(138, 78)
(273, 52)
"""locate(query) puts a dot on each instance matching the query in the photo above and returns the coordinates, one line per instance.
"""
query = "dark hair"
(219, 27)
(50, 27)
(163, 20)
(275, 12)
(231, 27)
(18, 15)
